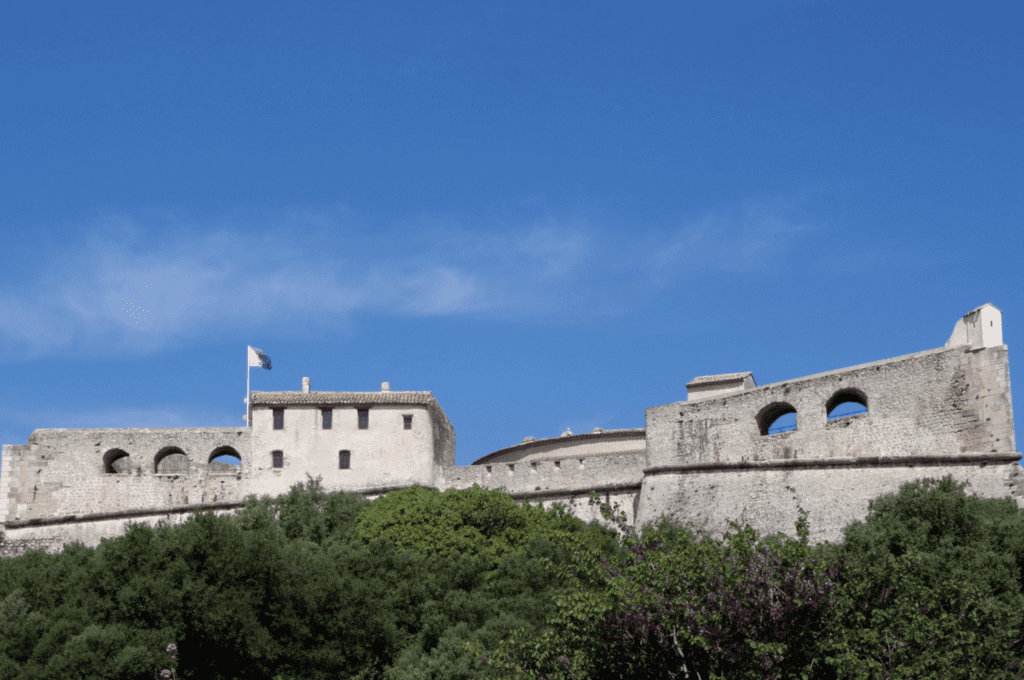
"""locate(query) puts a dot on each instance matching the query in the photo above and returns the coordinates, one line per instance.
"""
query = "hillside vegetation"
(466, 584)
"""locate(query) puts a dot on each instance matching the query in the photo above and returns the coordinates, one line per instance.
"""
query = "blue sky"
(551, 215)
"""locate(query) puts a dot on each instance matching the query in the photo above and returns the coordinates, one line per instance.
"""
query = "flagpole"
(248, 394)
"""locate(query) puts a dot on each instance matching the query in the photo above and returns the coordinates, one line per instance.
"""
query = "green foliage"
(20, 628)
(111, 652)
(932, 587)
(896, 626)
(478, 523)
(681, 602)
(424, 585)
(306, 512)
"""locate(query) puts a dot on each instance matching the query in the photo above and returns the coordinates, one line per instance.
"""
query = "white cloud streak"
(131, 290)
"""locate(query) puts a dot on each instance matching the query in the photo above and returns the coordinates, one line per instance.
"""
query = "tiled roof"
(712, 379)
(342, 398)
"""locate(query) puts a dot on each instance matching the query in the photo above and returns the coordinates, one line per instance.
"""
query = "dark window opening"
(278, 458)
(846, 402)
(328, 416)
(407, 422)
(117, 462)
(344, 460)
(170, 460)
(364, 419)
(776, 417)
(278, 418)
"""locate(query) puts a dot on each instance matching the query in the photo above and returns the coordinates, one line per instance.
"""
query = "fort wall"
(716, 457)
(62, 472)
(944, 411)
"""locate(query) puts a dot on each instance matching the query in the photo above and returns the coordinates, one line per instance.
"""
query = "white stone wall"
(574, 446)
(383, 455)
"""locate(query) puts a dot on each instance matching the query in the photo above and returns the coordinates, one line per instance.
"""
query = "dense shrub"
(468, 584)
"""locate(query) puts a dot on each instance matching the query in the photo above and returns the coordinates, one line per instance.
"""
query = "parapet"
(597, 443)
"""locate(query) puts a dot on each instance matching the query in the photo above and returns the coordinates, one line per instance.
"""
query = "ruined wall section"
(62, 472)
(940, 402)
(945, 411)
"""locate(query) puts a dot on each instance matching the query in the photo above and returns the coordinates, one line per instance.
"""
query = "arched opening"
(117, 462)
(776, 417)
(224, 459)
(170, 460)
(848, 401)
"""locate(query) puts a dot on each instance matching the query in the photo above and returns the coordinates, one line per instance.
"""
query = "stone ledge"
(172, 510)
(819, 463)
(576, 491)
(121, 514)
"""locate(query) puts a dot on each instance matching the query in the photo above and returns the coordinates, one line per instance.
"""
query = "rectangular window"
(278, 418)
(344, 460)
(407, 422)
(278, 457)
(328, 416)
(364, 419)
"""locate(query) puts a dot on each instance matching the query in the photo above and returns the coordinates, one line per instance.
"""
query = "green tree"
(700, 608)
(474, 522)
(932, 587)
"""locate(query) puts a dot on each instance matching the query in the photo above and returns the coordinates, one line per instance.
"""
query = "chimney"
(385, 387)
(305, 384)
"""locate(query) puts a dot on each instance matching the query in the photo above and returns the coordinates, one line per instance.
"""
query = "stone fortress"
(719, 455)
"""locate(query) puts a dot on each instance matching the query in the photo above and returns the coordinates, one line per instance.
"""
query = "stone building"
(720, 455)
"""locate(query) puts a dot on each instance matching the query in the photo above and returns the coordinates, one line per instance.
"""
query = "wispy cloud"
(740, 241)
(128, 289)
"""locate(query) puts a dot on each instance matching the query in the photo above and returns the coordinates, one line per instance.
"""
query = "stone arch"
(170, 460)
(117, 462)
(222, 465)
(767, 416)
(847, 395)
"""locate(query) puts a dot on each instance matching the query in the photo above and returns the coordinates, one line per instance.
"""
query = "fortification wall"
(62, 472)
(939, 402)
(598, 442)
(577, 474)
(834, 493)
(939, 412)
(945, 411)
(53, 535)
(615, 477)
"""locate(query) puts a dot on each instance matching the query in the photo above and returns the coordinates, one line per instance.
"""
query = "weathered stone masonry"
(707, 460)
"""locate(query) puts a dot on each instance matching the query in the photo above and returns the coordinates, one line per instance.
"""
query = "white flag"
(258, 358)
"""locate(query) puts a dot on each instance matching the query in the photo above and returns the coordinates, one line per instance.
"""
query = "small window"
(364, 419)
(344, 460)
(776, 417)
(278, 457)
(407, 422)
(278, 418)
(327, 416)
(846, 402)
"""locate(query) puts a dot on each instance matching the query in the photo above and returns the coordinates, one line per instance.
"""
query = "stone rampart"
(51, 535)
(705, 461)
(944, 411)
(615, 477)
(72, 472)
(939, 402)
